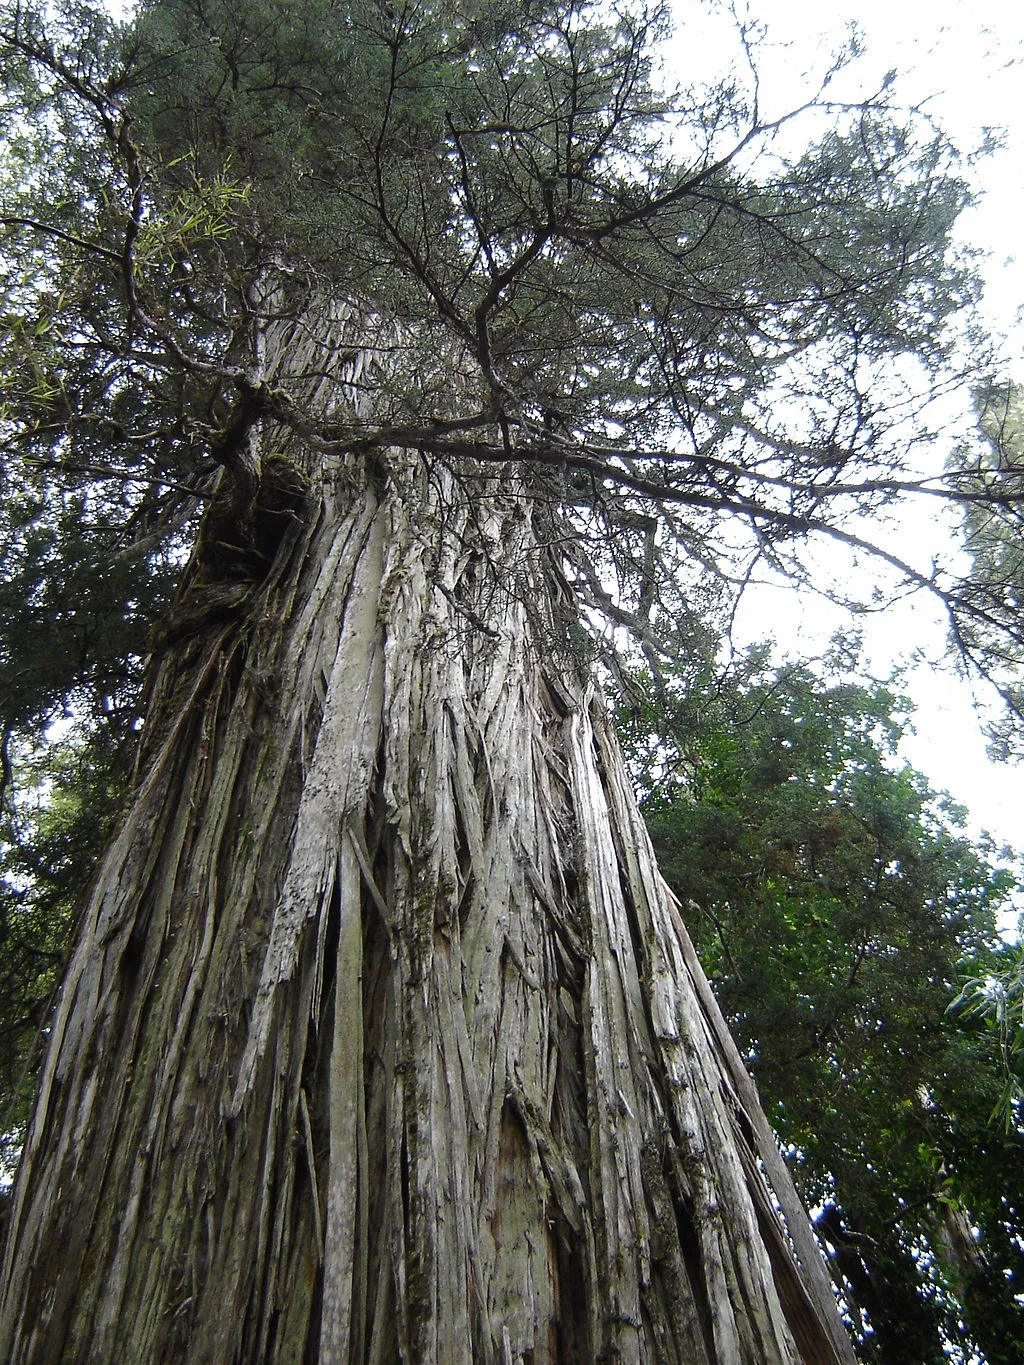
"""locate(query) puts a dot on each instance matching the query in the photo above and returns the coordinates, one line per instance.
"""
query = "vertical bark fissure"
(343, 1252)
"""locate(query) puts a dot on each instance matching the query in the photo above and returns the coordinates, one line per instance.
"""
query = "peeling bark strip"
(383, 1039)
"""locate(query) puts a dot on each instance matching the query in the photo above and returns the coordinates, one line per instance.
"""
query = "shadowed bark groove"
(383, 1038)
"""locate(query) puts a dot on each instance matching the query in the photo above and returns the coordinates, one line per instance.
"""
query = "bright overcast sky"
(967, 61)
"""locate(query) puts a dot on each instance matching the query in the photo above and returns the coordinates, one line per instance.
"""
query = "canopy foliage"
(837, 905)
(706, 327)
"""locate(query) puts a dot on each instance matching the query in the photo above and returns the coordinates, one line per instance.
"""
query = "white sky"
(967, 61)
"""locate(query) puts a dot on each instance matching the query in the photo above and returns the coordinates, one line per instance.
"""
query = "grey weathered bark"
(382, 1038)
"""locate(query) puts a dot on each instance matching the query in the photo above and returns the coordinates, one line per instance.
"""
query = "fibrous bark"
(383, 1039)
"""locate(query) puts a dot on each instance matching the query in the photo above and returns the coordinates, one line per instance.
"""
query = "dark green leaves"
(837, 904)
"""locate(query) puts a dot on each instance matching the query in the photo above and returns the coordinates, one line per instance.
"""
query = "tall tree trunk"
(383, 1039)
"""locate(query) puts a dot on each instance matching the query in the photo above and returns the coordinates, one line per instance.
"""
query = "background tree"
(993, 538)
(84, 571)
(836, 903)
(989, 470)
(378, 1009)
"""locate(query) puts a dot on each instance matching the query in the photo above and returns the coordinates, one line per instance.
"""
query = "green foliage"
(74, 597)
(77, 598)
(997, 999)
(55, 827)
(835, 902)
(690, 332)
(990, 473)
(501, 175)
(89, 532)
